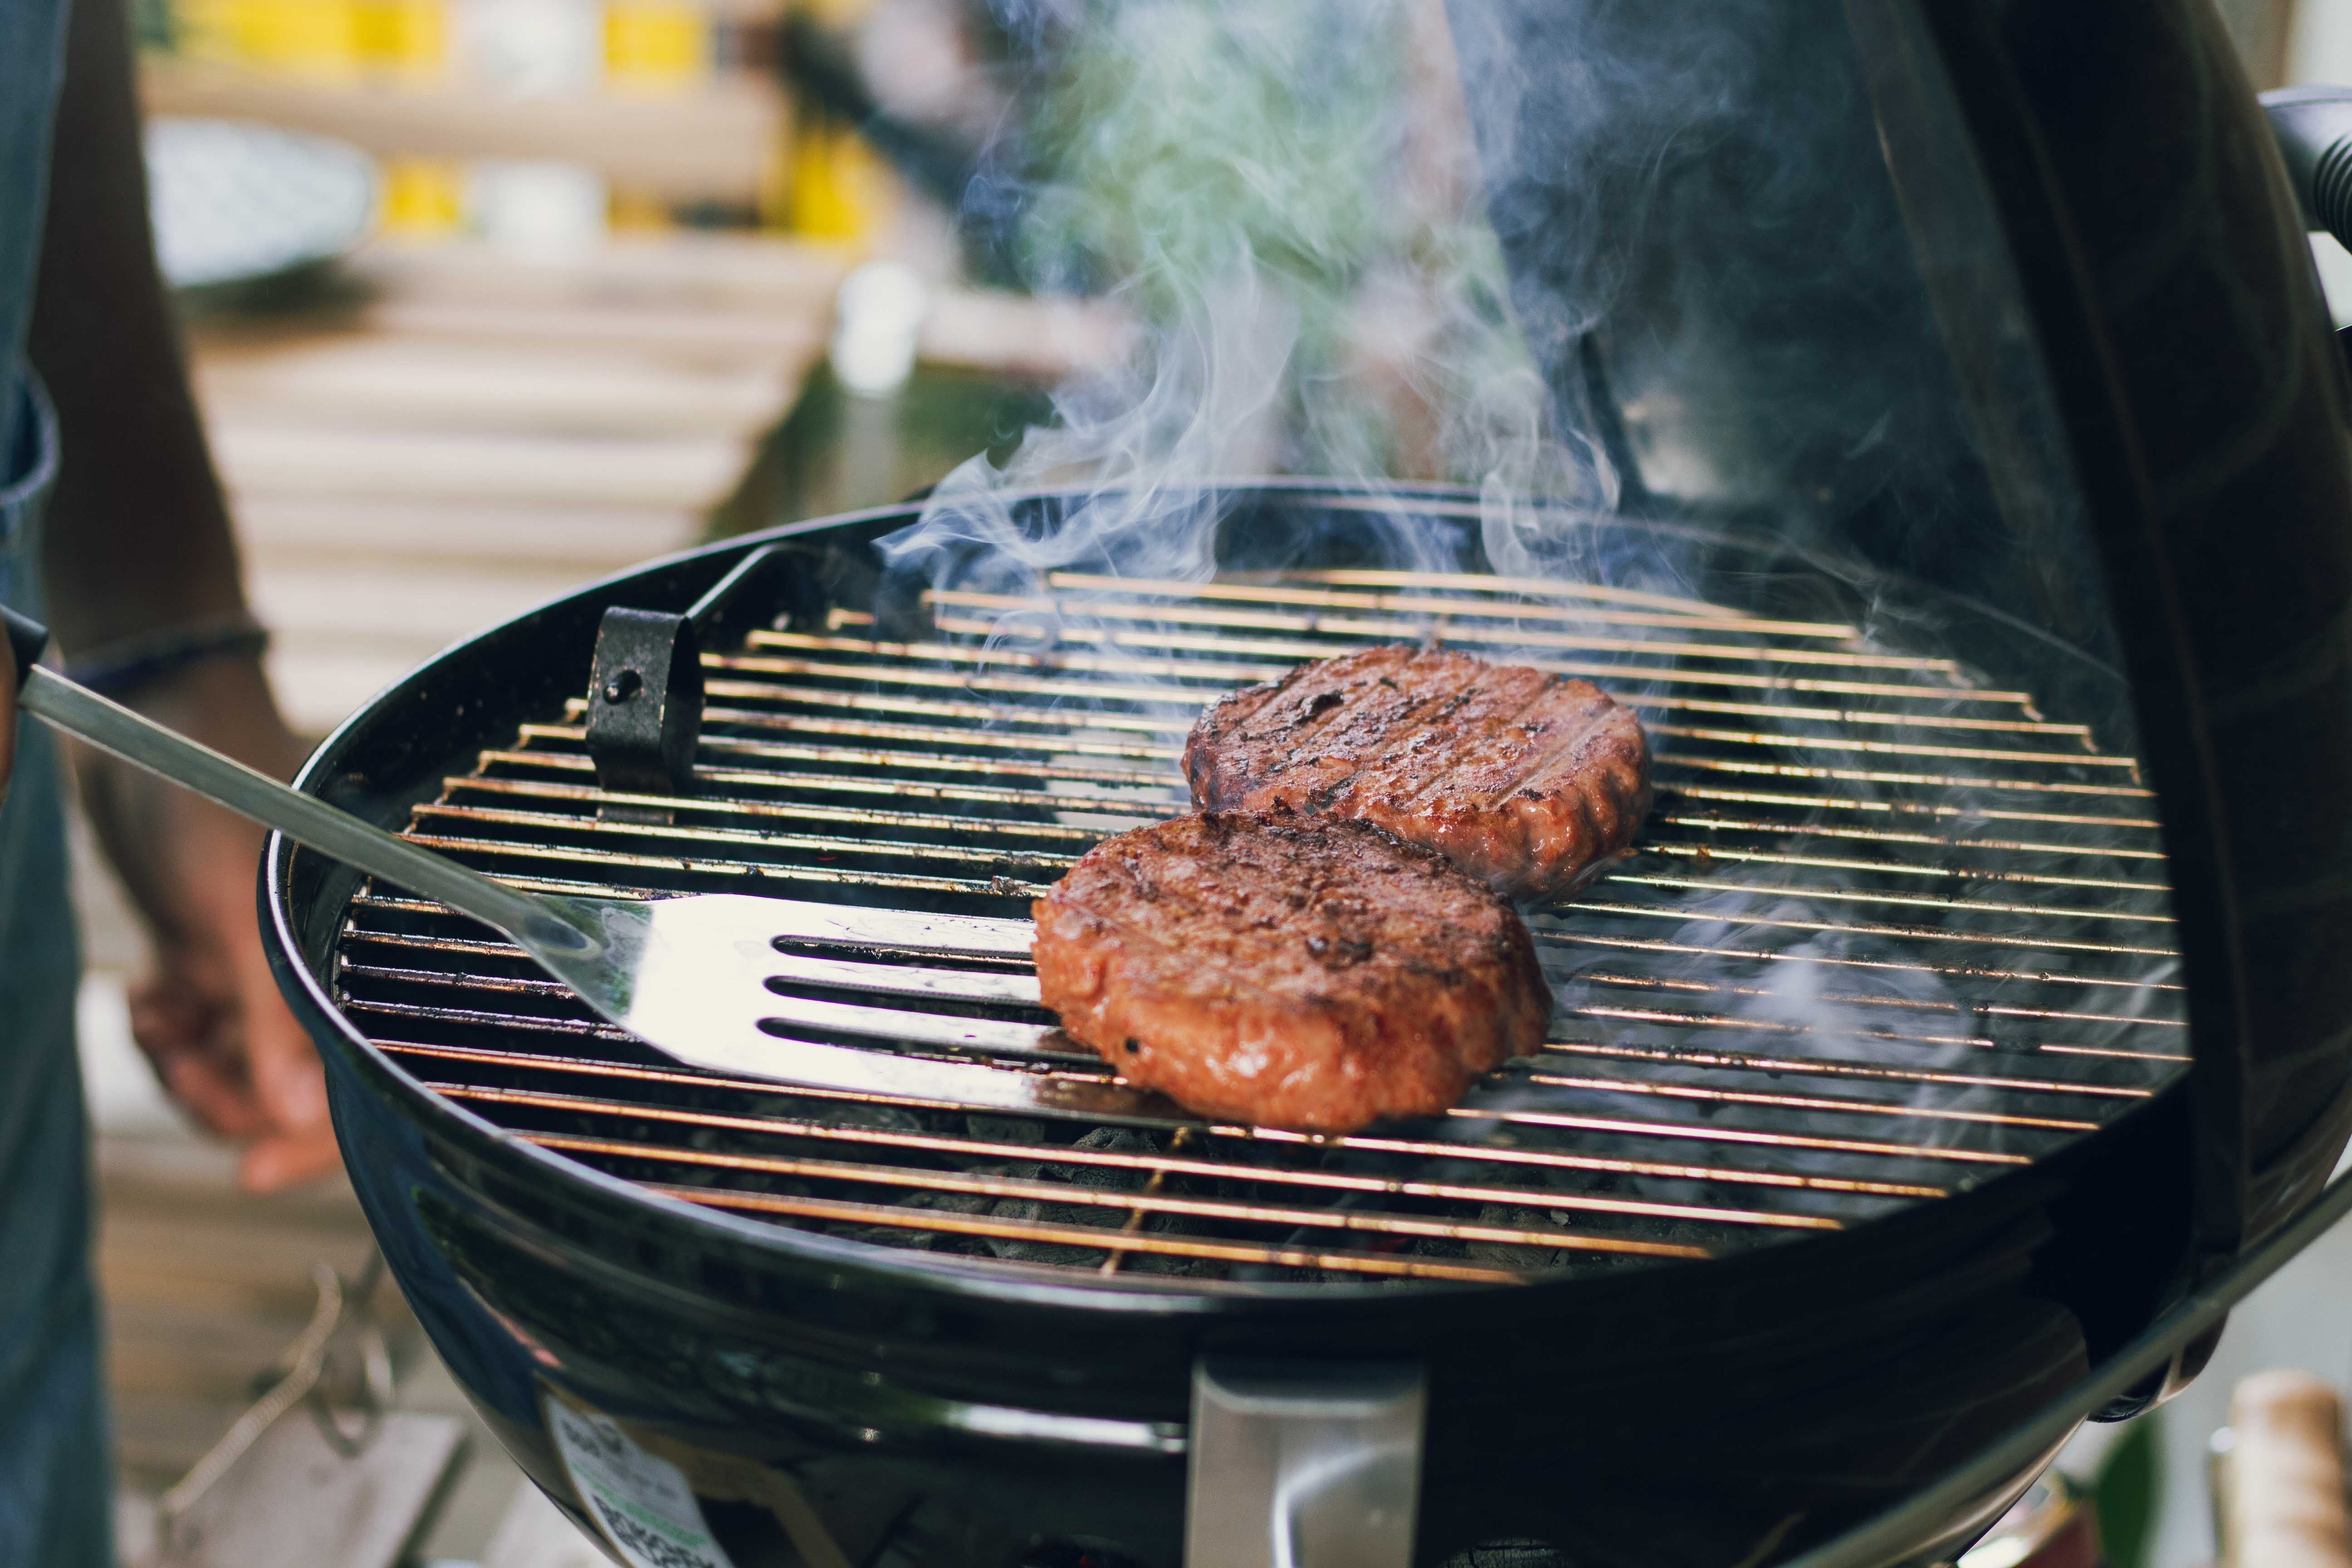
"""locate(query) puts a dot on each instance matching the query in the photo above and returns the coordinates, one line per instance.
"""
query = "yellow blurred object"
(422, 196)
(836, 190)
(316, 40)
(404, 39)
(634, 212)
(655, 45)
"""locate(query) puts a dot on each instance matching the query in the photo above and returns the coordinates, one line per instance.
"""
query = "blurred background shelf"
(453, 435)
(719, 143)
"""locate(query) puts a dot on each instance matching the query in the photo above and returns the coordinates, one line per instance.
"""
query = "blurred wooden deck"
(466, 434)
(448, 438)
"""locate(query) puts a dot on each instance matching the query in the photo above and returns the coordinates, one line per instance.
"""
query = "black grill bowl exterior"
(1681, 1413)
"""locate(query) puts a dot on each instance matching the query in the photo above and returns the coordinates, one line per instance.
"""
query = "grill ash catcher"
(1968, 1032)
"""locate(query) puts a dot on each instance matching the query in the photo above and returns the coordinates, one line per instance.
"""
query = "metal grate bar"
(1517, 636)
(1736, 1135)
(1686, 790)
(1466, 1153)
(967, 1034)
(1412, 630)
(1708, 617)
(1294, 654)
(1766, 955)
(1908, 934)
(1869, 999)
(922, 678)
(733, 805)
(828, 783)
(1621, 674)
(1711, 852)
(1694, 1022)
(1812, 1103)
(1085, 1237)
(969, 653)
(1912, 900)
(1356, 1221)
(1714, 823)
(1906, 781)
(1747, 1061)
(794, 811)
(1619, 671)
(1537, 589)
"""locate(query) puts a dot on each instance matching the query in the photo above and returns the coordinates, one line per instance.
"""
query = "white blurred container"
(539, 208)
(530, 49)
(877, 320)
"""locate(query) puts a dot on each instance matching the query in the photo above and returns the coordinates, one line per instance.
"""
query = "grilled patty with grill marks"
(1529, 781)
(1312, 974)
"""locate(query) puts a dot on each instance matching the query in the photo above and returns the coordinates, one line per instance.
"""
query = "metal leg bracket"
(1303, 1464)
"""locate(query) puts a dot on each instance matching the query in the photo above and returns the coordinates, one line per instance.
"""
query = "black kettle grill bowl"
(1646, 1411)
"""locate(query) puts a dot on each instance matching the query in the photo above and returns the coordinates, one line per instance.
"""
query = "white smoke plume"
(1285, 198)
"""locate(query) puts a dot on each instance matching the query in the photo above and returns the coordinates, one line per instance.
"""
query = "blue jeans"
(56, 1475)
(56, 1471)
(56, 1480)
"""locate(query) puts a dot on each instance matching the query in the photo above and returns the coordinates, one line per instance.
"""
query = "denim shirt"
(54, 1470)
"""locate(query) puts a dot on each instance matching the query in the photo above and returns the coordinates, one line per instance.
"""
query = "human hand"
(210, 1018)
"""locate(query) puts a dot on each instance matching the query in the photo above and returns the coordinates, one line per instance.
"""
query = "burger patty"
(1526, 780)
(1317, 975)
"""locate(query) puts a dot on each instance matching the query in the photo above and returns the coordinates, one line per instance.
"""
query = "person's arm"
(137, 544)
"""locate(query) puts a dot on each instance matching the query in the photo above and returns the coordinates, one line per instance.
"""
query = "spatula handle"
(304, 818)
(26, 638)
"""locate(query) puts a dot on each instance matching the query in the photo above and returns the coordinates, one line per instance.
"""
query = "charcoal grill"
(1895, 943)
(1969, 1025)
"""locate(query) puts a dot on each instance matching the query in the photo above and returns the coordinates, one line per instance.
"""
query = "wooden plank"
(762, 336)
(363, 531)
(256, 454)
(344, 630)
(426, 384)
(422, 602)
(1021, 336)
(319, 690)
(717, 142)
(702, 268)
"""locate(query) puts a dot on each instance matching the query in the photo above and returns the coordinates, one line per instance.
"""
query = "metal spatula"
(688, 975)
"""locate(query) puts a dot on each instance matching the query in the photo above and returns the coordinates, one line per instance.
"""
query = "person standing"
(112, 523)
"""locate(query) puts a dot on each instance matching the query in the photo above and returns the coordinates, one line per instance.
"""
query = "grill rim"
(690, 571)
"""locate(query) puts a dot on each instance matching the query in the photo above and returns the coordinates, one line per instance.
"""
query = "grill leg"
(1303, 1465)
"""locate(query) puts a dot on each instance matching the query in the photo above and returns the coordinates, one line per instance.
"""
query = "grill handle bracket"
(644, 694)
(1298, 1464)
(645, 708)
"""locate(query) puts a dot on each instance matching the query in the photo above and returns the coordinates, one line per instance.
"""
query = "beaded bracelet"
(126, 664)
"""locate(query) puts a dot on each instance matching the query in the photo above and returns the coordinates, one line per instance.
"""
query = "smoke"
(1286, 200)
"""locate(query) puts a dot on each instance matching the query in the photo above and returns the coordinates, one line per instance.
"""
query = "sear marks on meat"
(1317, 975)
(1531, 782)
